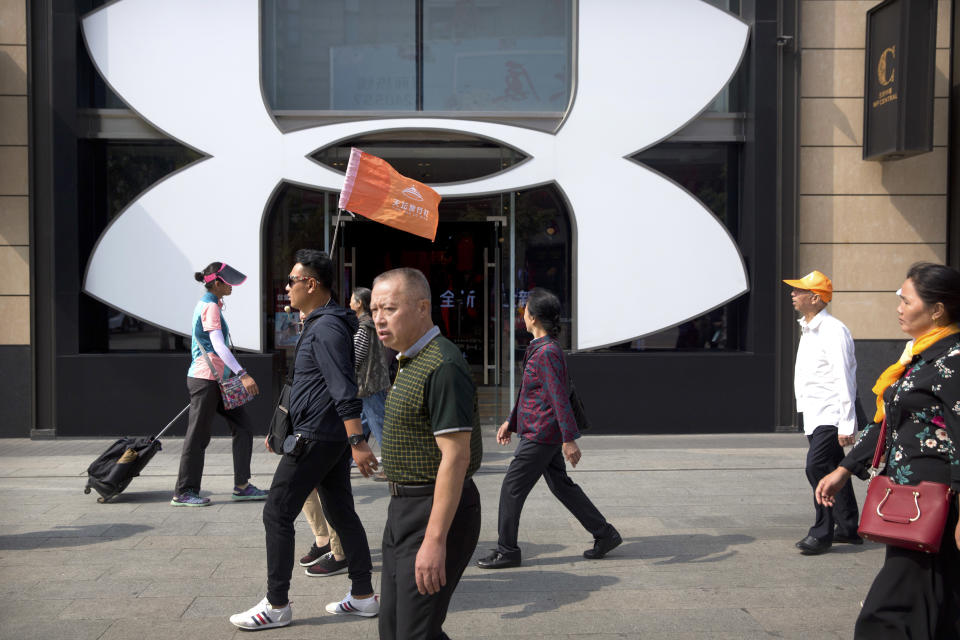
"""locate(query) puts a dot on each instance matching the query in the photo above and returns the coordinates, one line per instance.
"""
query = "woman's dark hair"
(362, 294)
(319, 265)
(545, 307)
(211, 268)
(937, 283)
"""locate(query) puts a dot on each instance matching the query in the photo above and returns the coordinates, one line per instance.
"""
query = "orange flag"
(374, 189)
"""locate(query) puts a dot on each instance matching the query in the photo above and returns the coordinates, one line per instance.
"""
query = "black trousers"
(916, 595)
(530, 461)
(324, 466)
(205, 404)
(404, 613)
(823, 456)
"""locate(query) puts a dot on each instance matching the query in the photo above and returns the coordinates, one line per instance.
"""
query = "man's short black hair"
(318, 265)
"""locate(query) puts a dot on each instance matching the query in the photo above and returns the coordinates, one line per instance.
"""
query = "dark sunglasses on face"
(292, 280)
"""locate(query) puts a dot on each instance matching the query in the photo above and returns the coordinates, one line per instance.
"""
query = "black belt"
(410, 490)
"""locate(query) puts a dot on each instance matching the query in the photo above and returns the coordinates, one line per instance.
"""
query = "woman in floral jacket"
(916, 595)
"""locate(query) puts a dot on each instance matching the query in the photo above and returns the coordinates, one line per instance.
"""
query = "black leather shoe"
(497, 560)
(811, 546)
(603, 546)
(847, 539)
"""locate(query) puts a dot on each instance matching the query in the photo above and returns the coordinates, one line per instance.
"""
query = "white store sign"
(644, 246)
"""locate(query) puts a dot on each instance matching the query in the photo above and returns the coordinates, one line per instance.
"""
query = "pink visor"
(228, 274)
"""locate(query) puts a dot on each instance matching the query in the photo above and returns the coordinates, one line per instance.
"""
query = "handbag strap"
(209, 361)
(881, 447)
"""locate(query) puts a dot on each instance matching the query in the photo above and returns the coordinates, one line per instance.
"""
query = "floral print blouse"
(923, 421)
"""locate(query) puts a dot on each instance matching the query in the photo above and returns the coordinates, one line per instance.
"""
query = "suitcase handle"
(170, 424)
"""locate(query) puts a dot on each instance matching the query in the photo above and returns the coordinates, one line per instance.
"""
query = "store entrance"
(462, 266)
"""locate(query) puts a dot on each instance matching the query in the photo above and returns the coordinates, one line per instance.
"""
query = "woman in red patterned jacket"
(544, 421)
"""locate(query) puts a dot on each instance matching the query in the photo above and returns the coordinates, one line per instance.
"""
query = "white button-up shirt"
(825, 376)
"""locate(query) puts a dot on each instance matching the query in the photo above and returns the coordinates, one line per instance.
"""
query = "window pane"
(357, 55)
(542, 257)
(497, 55)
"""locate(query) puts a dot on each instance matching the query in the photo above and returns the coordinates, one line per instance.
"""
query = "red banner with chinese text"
(374, 189)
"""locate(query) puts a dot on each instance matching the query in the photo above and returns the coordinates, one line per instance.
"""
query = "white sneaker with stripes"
(368, 607)
(263, 616)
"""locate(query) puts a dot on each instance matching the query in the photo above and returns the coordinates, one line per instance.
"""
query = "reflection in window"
(344, 55)
(543, 257)
(113, 175)
(710, 173)
(498, 56)
(374, 55)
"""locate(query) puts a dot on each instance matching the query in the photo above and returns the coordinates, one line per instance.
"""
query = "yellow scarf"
(894, 371)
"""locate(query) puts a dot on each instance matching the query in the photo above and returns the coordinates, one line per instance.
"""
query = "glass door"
(462, 268)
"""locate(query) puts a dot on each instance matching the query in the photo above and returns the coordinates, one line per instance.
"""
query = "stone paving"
(708, 524)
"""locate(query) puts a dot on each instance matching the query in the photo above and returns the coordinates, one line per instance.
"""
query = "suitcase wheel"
(86, 489)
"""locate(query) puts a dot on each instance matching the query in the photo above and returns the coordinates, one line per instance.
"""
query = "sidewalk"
(708, 524)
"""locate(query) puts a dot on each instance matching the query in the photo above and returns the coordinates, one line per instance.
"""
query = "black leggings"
(205, 404)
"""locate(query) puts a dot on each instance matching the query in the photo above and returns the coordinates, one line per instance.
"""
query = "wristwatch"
(355, 440)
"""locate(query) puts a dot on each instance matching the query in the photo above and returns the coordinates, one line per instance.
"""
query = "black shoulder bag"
(281, 426)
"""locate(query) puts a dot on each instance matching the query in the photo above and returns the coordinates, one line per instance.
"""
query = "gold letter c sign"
(883, 66)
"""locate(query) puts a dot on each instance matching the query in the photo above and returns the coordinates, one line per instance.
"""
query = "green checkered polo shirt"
(433, 394)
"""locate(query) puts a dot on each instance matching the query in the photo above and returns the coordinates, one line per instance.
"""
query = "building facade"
(773, 159)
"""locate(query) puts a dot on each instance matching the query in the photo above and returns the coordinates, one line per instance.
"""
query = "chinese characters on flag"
(373, 189)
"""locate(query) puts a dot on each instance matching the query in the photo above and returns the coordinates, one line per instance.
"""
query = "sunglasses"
(292, 280)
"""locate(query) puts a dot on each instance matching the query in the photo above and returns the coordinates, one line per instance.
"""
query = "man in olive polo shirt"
(431, 448)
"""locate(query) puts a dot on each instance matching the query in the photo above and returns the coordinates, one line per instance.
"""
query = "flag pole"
(336, 228)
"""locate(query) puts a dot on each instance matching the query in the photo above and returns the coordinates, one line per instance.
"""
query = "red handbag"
(911, 516)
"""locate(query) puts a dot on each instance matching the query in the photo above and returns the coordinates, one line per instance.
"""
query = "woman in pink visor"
(209, 348)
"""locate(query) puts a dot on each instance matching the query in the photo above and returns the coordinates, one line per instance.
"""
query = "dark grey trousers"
(405, 614)
(916, 595)
(530, 461)
(823, 456)
(205, 404)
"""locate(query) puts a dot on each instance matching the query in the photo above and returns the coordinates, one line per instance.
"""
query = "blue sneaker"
(190, 498)
(249, 492)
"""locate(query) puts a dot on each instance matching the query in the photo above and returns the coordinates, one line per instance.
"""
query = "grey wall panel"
(675, 392)
(873, 356)
(15, 391)
(137, 394)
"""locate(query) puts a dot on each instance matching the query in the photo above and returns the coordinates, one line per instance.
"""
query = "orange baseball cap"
(816, 282)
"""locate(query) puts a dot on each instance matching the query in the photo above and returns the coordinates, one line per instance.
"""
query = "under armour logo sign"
(644, 246)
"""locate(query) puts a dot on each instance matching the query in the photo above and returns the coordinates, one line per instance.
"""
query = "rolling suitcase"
(123, 461)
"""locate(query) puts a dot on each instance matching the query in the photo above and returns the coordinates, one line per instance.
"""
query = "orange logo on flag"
(374, 189)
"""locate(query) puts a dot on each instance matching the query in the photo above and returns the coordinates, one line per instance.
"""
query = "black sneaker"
(327, 566)
(313, 556)
(603, 546)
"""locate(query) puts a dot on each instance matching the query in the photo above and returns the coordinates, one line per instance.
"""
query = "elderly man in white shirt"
(826, 388)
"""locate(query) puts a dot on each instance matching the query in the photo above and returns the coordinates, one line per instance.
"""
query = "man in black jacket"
(325, 413)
